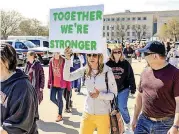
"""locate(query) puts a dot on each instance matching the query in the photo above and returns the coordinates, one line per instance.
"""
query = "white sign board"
(77, 27)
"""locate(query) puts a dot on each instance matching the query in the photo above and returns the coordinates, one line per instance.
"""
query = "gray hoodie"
(101, 104)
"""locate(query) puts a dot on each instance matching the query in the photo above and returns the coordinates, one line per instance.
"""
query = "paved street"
(71, 122)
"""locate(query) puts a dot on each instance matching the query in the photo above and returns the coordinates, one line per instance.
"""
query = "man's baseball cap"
(155, 47)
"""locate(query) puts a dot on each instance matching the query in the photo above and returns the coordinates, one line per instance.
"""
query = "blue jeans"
(122, 104)
(147, 126)
(56, 97)
(77, 84)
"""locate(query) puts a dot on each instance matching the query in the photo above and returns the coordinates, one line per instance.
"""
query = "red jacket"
(63, 83)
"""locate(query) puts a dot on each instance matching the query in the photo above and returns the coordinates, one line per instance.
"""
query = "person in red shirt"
(158, 97)
(57, 84)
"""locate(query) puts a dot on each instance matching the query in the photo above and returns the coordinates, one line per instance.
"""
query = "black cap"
(154, 46)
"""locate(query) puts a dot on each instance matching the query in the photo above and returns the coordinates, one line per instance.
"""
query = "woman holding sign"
(97, 105)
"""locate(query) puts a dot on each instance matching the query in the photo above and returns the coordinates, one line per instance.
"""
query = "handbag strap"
(106, 81)
(113, 102)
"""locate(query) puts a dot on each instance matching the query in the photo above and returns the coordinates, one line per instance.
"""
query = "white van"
(40, 41)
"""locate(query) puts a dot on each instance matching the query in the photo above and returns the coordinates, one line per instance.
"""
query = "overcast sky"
(40, 8)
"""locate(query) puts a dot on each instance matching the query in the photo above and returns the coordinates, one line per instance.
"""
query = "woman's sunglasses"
(118, 52)
(147, 54)
(92, 55)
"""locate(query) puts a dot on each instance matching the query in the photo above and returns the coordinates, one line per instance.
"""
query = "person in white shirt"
(97, 104)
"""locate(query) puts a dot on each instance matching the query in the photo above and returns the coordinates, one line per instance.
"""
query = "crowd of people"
(156, 109)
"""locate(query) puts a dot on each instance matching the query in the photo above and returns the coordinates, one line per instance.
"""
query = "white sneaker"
(128, 127)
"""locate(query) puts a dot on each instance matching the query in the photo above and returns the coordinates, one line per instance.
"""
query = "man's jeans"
(147, 126)
(56, 97)
(122, 104)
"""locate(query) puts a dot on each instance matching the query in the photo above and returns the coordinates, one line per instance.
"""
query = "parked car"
(21, 59)
(23, 47)
(177, 45)
(42, 52)
(40, 41)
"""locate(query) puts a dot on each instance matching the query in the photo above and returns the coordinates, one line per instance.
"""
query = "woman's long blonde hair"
(100, 66)
(115, 49)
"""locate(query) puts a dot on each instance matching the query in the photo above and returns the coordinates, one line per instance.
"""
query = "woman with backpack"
(97, 104)
(35, 72)
(125, 80)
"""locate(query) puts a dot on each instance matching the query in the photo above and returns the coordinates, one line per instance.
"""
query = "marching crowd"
(156, 109)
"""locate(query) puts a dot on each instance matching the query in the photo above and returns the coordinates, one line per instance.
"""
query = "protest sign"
(105, 51)
(77, 27)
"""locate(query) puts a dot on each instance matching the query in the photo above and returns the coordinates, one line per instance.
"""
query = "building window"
(117, 33)
(107, 27)
(112, 27)
(139, 18)
(144, 18)
(128, 33)
(144, 26)
(113, 19)
(103, 34)
(133, 26)
(128, 19)
(123, 19)
(103, 27)
(108, 19)
(123, 27)
(112, 34)
(118, 19)
(104, 19)
(133, 18)
(107, 33)
(133, 33)
(128, 26)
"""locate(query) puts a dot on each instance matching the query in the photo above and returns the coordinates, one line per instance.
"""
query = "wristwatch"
(177, 127)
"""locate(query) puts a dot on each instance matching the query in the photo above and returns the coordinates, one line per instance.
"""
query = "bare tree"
(173, 28)
(140, 31)
(163, 34)
(9, 23)
(170, 30)
(26, 27)
(43, 31)
(121, 30)
(33, 27)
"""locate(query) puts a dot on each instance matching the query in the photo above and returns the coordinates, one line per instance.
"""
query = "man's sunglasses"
(92, 55)
(118, 52)
(147, 54)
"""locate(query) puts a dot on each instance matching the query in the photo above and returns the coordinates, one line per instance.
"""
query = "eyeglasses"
(147, 54)
(92, 55)
(118, 52)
